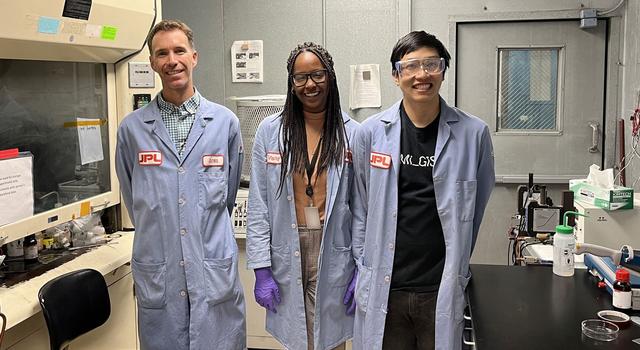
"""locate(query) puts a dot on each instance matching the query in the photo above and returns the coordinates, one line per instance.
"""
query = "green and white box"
(609, 199)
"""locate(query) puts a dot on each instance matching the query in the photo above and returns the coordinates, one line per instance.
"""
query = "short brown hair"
(168, 25)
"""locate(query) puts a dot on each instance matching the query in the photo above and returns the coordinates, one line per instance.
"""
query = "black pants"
(411, 321)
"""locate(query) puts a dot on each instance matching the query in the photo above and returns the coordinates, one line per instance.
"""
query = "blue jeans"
(411, 321)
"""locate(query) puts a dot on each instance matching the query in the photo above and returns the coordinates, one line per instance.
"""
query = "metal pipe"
(621, 151)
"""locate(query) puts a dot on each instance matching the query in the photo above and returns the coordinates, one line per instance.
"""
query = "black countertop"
(528, 307)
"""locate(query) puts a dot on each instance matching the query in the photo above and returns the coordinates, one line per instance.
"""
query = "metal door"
(540, 87)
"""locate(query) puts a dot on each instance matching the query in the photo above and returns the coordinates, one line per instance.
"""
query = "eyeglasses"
(430, 65)
(318, 76)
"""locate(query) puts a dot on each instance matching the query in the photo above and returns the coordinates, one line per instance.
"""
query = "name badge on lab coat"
(150, 158)
(212, 160)
(348, 157)
(380, 160)
(274, 158)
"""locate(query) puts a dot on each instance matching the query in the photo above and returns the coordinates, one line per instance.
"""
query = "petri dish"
(620, 319)
(600, 330)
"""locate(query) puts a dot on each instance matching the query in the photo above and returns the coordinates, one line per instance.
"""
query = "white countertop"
(20, 301)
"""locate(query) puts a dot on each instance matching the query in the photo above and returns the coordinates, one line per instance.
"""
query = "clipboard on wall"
(16, 185)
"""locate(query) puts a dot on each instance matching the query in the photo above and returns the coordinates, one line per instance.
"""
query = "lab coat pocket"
(466, 198)
(341, 266)
(363, 286)
(213, 189)
(281, 264)
(150, 284)
(219, 276)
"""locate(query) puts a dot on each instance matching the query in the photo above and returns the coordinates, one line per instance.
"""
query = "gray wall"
(344, 28)
(360, 31)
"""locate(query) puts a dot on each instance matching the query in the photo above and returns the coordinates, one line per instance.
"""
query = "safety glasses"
(431, 65)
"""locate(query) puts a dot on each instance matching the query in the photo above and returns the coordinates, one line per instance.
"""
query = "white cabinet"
(119, 332)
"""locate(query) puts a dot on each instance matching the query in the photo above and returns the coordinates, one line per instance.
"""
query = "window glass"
(528, 89)
(40, 106)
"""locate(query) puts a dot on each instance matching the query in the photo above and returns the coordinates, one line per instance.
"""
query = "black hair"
(294, 137)
(415, 41)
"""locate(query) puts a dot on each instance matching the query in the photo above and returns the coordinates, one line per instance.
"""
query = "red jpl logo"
(150, 158)
(380, 160)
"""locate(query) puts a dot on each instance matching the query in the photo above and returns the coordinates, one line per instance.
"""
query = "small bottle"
(564, 246)
(15, 249)
(622, 291)
(30, 249)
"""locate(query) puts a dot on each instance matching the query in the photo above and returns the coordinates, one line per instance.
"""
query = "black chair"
(74, 304)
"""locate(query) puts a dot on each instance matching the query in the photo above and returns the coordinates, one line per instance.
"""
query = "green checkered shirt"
(178, 120)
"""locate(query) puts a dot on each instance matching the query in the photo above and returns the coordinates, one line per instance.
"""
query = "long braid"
(294, 138)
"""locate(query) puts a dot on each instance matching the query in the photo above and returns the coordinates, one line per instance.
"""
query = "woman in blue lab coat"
(298, 235)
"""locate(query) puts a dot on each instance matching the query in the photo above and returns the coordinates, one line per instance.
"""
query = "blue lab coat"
(272, 240)
(184, 252)
(463, 177)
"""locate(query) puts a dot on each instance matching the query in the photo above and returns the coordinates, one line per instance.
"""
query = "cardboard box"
(617, 198)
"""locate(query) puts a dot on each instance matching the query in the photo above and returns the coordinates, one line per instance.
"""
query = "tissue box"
(609, 199)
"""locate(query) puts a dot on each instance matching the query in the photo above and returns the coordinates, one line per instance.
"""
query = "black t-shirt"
(420, 249)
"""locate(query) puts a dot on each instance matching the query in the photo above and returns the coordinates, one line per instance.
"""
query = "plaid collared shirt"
(178, 120)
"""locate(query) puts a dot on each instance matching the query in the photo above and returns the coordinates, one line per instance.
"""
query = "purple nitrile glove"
(266, 289)
(349, 298)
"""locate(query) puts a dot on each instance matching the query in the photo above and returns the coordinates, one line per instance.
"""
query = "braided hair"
(293, 146)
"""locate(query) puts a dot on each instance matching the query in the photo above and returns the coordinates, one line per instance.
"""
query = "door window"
(528, 96)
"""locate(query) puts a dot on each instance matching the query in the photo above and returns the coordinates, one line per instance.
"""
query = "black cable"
(4, 326)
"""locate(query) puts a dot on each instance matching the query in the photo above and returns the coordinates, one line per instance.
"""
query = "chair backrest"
(73, 304)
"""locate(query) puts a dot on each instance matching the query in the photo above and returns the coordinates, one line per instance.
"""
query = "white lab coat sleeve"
(360, 197)
(124, 170)
(258, 227)
(486, 179)
(236, 156)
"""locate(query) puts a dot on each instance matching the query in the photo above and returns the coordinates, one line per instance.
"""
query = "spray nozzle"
(565, 218)
(566, 228)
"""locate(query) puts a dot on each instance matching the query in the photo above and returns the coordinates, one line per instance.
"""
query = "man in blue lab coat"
(179, 160)
(423, 173)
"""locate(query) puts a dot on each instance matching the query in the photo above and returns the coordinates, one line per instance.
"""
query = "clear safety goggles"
(431, 65)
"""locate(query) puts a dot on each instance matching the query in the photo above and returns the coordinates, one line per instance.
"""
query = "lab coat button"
(181, 201)
(299, 281)
(293, 225)
(296, 253)
(394, 214)
(181, 262)
(387, 279)
(183, 293)
(391, 246)
(181, 170)
(288, 198)
(183, 231)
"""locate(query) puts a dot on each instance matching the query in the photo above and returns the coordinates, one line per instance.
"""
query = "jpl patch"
(380, 160)
(150, 158)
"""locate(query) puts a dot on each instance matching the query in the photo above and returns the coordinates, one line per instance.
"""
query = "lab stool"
(73, 304)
